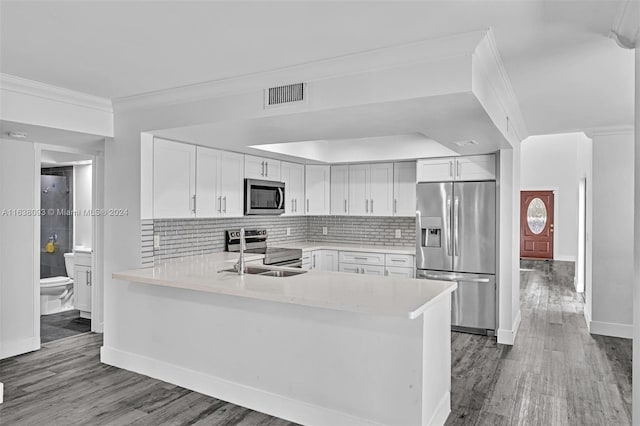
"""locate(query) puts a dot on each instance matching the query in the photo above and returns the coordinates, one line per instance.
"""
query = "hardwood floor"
(556, 374)
(61, 325)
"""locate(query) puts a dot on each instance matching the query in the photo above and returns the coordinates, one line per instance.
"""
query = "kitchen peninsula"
(317, 348)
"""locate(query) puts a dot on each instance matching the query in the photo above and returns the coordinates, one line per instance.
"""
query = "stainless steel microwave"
(263, 197)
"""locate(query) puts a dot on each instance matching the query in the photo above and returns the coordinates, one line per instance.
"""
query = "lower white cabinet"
(361, 269)
(82, 283)
(321, 260)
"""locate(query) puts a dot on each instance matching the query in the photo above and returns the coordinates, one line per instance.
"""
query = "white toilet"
(56, 293)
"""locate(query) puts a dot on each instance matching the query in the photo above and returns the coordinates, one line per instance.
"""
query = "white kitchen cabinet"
(371, 189)
(349, 268)
(361, 269)
(399, 260)
(82, 283)
(362, 258)
(219, 183)
(340, 190)
(404, 188)
(399, 272)
(475, 167)
(174, 179)
(261, 168)
(469, 168)
(292, 175)
(317, 189)
(323, 260)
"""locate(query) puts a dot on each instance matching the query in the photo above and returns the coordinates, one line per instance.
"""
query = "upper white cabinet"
(261, 168)
(174, 179)
(340, 190)
(404, 188)
(371, 189)
(317, 189)
(219, 183)
(292, 175)
(470, 168)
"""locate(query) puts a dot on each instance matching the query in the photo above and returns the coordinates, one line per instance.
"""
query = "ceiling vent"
(285, 95)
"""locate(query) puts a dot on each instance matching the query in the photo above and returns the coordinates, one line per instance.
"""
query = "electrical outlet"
(156, 241)
(324, 230)
(288, 232)
(398, 233)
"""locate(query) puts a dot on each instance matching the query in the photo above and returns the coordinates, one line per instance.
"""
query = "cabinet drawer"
(403, 260)
(349, 268)
(362, 258)
(399, 272)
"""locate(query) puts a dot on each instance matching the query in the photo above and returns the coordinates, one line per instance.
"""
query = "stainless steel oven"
(263, 197)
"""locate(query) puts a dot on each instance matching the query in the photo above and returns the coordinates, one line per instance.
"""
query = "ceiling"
(74, 140)
(566, 73)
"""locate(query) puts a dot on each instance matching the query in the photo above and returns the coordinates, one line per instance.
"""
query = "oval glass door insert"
(536, 215)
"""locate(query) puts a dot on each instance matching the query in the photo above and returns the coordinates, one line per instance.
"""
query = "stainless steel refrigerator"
(456, 241)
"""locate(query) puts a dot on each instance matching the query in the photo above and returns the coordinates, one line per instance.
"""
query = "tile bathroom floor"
(61, 325)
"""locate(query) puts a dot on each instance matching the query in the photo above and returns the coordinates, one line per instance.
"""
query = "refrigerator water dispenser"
(432, 237)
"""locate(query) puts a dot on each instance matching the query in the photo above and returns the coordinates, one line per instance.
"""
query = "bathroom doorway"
(66, 234)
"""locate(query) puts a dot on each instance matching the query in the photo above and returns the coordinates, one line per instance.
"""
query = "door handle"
(220, 204)
(456, 220)
(225, 203)
(455, 278)
(448, 233)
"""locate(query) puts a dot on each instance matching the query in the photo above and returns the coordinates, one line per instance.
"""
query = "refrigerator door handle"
(456, 222)
(455, 278)
(448, 233)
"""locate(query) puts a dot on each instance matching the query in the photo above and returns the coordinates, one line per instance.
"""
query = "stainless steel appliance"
(256, 242)
(263, 197)
(456, 241)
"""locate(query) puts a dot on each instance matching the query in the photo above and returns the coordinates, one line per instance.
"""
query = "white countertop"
(318, 245)
(403, 297)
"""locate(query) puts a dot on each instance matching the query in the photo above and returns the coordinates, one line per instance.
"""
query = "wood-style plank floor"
(556, 374)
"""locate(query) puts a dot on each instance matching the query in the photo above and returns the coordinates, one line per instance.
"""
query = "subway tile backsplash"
(186, 237)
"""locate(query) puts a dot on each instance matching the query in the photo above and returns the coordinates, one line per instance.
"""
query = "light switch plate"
(398, 233)
(324, 230)
(156, 241)
(288, 232)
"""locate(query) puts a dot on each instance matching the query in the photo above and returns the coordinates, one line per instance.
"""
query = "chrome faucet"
(240, 264)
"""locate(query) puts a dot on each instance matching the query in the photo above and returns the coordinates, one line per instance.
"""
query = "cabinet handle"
(314, 261)
(395, 205)
(360, 258)
(225, 203)
(193, 198)
(366, 205)
(88, 277)
(220, 204)
(451, 168)
(345, 205)
(458, 168)
(386, 272)
(262, 170)
(296, 205)
(371, 206)
(307, 205)
(266, 168)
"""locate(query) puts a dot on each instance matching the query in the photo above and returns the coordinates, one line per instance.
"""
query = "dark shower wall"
(56, 199)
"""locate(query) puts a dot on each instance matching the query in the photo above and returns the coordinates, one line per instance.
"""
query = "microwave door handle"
(280, 198)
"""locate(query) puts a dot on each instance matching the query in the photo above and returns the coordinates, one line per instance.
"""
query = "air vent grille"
(285, 94)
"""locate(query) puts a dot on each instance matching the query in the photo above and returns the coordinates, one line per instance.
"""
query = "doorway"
(536, 224)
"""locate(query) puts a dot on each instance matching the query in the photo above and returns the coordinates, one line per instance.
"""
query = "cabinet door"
(207, 175)
(372, 270)
(254, 167)
(359, 189)
(435, 170)
(404, 189)
(292, 175)
(82, 288)
(362, 258)
(316, 261)
(475, 167)
(339, 190)
(381, 189)
(174, 178)
(231, 189)
(317, 189)
(349, 268)
(272, 169)
(396, 271)
(329, 260)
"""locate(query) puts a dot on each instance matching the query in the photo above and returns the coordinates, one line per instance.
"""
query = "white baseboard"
(587, 319)
(1, 393)
(18, 347)
(442, 411)
(611, 329)
(256, 399)
(508, 337)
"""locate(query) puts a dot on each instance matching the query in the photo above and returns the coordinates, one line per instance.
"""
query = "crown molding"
(626, 29)
(609, 131)
(371, 60)
(34, 88)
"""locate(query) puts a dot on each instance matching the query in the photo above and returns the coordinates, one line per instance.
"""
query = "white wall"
(557, 162)
(83, 179)
(611, 269)
(19, 268)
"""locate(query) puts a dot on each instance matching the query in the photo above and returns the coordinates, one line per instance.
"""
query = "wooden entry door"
(536, 224)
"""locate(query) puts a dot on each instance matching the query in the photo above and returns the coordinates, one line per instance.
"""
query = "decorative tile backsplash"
(186, 237)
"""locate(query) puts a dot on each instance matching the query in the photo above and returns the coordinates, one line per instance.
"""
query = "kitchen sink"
(258, 270)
